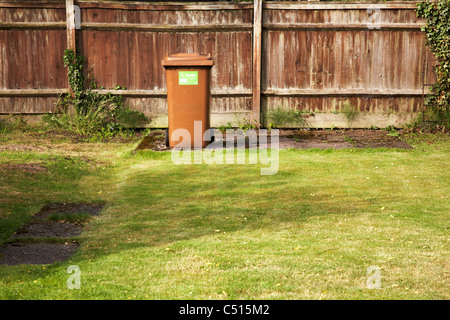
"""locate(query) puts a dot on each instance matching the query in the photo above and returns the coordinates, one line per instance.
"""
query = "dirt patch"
(55, 136)
(300, 139)
(54, 220)
(67, 210)
(376, 139)
(36, 253)
(51, 229)
(22, 148)
(339, 139)
(24, 167)
(155, 140)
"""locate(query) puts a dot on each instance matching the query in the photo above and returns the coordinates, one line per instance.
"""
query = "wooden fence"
(319, 57)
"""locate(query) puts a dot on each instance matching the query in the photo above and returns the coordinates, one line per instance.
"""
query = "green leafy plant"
(13, 122)
(87, 112)
(350, 113)
(74, 64)
(418, 125)
(225, 127)
(350, 140)
(247, 124)
(437, 31)
(282, 117)
(390, 128)
(3, 126)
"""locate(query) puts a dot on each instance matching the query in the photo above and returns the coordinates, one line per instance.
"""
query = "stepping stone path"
(36, 253)
(49, 236)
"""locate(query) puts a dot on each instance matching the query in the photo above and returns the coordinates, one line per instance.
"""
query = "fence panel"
(325, 58)
(32, 42)
(125, 47)
(317, 57)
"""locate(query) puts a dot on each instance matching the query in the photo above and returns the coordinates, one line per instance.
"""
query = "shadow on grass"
(158, 203)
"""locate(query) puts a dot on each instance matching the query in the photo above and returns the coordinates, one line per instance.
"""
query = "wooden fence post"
(70, 20)
(70, 33)
(257, 35)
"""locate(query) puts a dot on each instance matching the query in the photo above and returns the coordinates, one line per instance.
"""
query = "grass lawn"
(200, 231)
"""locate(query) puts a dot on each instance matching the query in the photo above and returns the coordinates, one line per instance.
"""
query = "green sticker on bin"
(189, 78)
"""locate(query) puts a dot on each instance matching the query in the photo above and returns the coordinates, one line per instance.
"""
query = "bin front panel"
(188, 98)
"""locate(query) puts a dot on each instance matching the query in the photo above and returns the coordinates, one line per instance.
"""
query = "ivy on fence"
(88, 112)
(437, 30)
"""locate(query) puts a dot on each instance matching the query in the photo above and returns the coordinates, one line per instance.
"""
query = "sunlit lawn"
(169, 231)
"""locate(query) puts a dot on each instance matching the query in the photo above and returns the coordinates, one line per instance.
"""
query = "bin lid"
(187, 59)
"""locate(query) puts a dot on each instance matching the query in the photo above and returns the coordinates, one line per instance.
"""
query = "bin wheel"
(213, 138)
(167, 137)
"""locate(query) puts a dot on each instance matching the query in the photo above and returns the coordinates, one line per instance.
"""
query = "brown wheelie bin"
(188, 96)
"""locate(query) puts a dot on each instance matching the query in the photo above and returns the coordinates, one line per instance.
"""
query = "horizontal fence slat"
(165, 28)
(342, 92)
(204, 6)
(407, 5)
(32, 92)
(33, 25)
(156, 93)
(33, 4)
(163, 93)
(212, 27)
(211, 5)
(338, 27)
